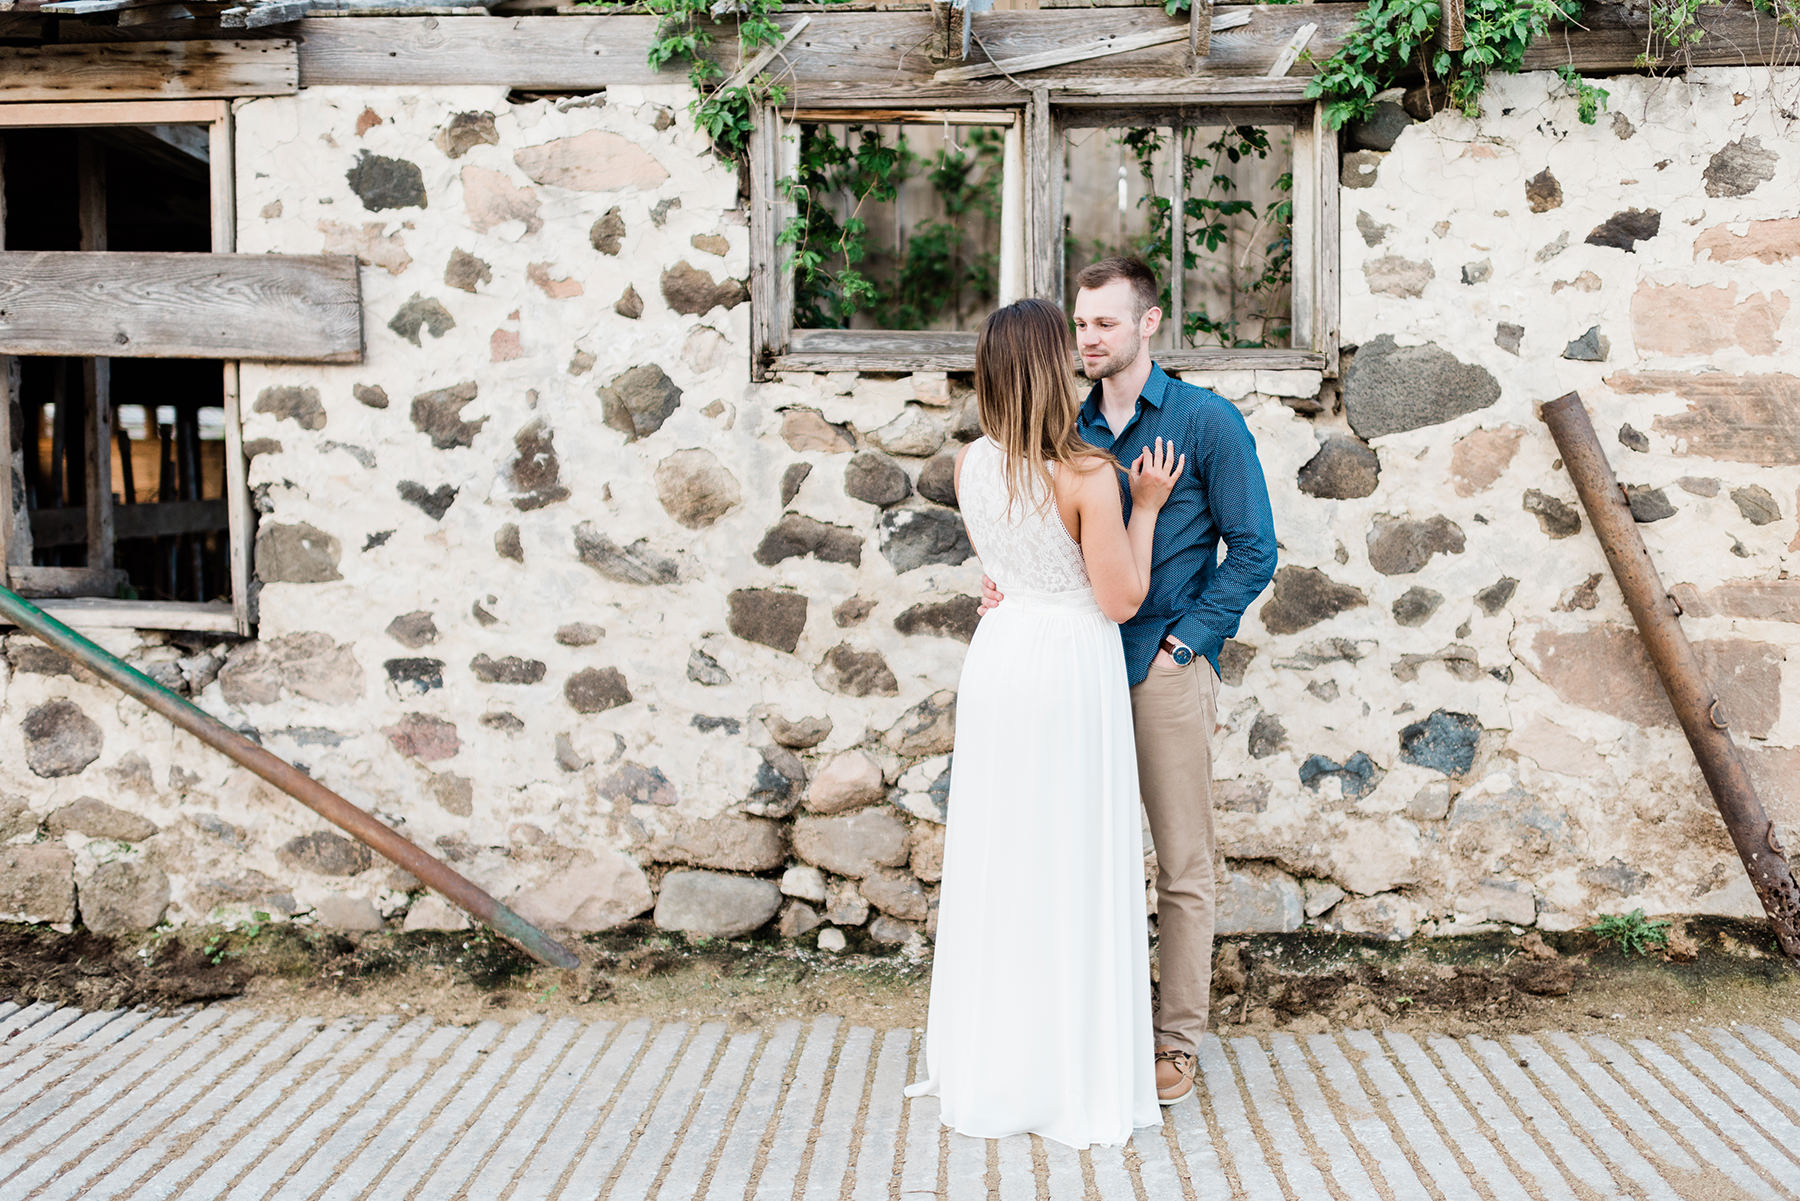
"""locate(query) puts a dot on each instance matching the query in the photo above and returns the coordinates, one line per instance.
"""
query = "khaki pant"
(1174, 710)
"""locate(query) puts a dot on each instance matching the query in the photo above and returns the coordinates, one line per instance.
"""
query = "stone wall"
(546, 583)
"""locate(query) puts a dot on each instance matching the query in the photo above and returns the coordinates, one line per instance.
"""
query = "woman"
(1040, 1005)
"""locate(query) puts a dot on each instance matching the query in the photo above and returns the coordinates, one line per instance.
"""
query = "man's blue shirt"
(1220, 497)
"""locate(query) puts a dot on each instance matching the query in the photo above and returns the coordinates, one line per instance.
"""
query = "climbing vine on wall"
(938, 273)
(726, 114)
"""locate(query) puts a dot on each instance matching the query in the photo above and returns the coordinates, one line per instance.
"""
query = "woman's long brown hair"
(1025, 394)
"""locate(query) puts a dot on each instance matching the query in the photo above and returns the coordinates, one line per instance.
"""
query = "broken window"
(123, 470)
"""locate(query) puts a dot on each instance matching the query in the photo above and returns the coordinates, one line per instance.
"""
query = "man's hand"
(990, 597)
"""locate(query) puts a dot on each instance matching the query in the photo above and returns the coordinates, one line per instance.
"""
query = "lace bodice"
(1028, 549)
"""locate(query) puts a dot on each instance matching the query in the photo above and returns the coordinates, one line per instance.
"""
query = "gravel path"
(216, 1103)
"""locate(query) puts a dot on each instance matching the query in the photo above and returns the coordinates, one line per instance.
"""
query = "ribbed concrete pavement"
(220, 1103)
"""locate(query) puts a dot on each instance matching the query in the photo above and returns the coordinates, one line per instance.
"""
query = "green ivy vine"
(726, 114)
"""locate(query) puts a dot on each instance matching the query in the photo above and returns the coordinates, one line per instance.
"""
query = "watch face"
(1183, 656)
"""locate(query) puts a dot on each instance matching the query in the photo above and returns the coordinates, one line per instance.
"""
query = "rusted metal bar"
(1698, 708)
(434, 873)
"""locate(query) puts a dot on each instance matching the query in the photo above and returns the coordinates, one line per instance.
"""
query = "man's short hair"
(1132, 270)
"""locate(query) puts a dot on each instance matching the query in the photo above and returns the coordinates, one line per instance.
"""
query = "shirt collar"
(1155, 388)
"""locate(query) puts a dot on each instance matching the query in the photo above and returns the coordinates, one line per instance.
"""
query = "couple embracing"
(1091, 681)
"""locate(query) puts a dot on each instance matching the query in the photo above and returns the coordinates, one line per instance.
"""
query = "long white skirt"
(1040, 981)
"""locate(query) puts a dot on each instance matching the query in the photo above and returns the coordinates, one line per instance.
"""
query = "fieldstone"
(432, 912)
(465, 131)
(1623, 231)
(896, 893)
(779, 778)
(636, 784)
(1381, 127)
(791, 479)
(296, 554)
(849, 780)
(325, 853)
(37, 884)
(937, 479)
(853, 844)
(806, 883)
(1391, 275)
(1507, 336)
(1360, 168)
(690, 291)
(914, 537)
(423, 737)
(805, 429)
(713, 905)
(954, 618)
(60, 739)
(1390, 916)
(433, 502)
(1755, 503)
(1591, 347)
(1542, 192)
(1303, 597)
(629, 305)
(639, 401)
(508, 544)
(1357, 776)
(798, 919)
(413, 630)
(1477, 273)
(123, 897)
(1234, 660)
(1739, 167)
(771, 616)
(832, 940)
(702, 668)
(1267, 736)
(1444, 742)
(848, 907)
(535, 472)
(928, 728)
(634, 564)
(454, 794)
(850, 672)
(1648, 504)
(1399, 546)
(1266, 902)
(1632, 438)
(595, 161)
(438, 415)
(1389, 389)
(852, 611)
(890, 931)
(386, 183)
(299, 405)
(16, 817)
(608, 233)
(695, 488)
(927, 857)
(421, 313)
(795, 536)
(716, 244)
(873, 477)
(594, 891)
(1344, 469)
(1320, 896)
(335, 911)
(739, 844)
(916, 433)
(509, 670)
(465, 273)
(1373, 232)
(96, 819)
(1430, 803)
(1556, 518)
(1508, 901)
(1416, 605)
(924, 790)
(596, 689)
(799, 735)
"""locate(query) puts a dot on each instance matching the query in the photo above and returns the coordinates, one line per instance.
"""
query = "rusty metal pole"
(434, 873)
(1696, 705)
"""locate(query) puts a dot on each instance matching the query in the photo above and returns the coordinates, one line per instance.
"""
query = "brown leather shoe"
(1175, 1070)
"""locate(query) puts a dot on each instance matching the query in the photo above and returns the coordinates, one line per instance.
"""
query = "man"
(1195, 603)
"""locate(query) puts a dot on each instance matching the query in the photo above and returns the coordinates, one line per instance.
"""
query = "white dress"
(1040, 983)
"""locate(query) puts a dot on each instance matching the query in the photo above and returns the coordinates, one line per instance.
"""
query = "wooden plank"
(1219, 358)
(96, 373)
(95, 613)
(1290, 53)
(147, 70)
(1450, 28)
(66, 581)
(100, 113)
(766, 315)
(8, 386)
(765, 56)
(293, 308)
(1326, 307)
(1013, 253)
(1103, 48)
(68, 527)
(871, 341)
(1304, 266)
(220, 153)
(894, 362)
(1200, 17)
(1195, 89)
(553, 53)
(1611, 39)
(1043, 217)
(1177, 230)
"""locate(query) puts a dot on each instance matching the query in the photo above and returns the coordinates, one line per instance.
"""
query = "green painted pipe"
(433, 872)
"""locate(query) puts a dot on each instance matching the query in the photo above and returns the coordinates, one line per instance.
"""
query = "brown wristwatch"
(1181, 654)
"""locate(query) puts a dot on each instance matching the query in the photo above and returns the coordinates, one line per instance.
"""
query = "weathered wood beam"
(147, 70)
(68, 527)
(1611, 39)
(296, 308)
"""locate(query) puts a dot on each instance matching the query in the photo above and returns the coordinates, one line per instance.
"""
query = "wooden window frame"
(96, 612)
(1042, 123)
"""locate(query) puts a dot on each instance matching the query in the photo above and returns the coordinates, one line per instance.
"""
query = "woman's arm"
(1118, 555)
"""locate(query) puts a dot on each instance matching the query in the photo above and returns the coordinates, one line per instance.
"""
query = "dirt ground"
(1714, 972)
